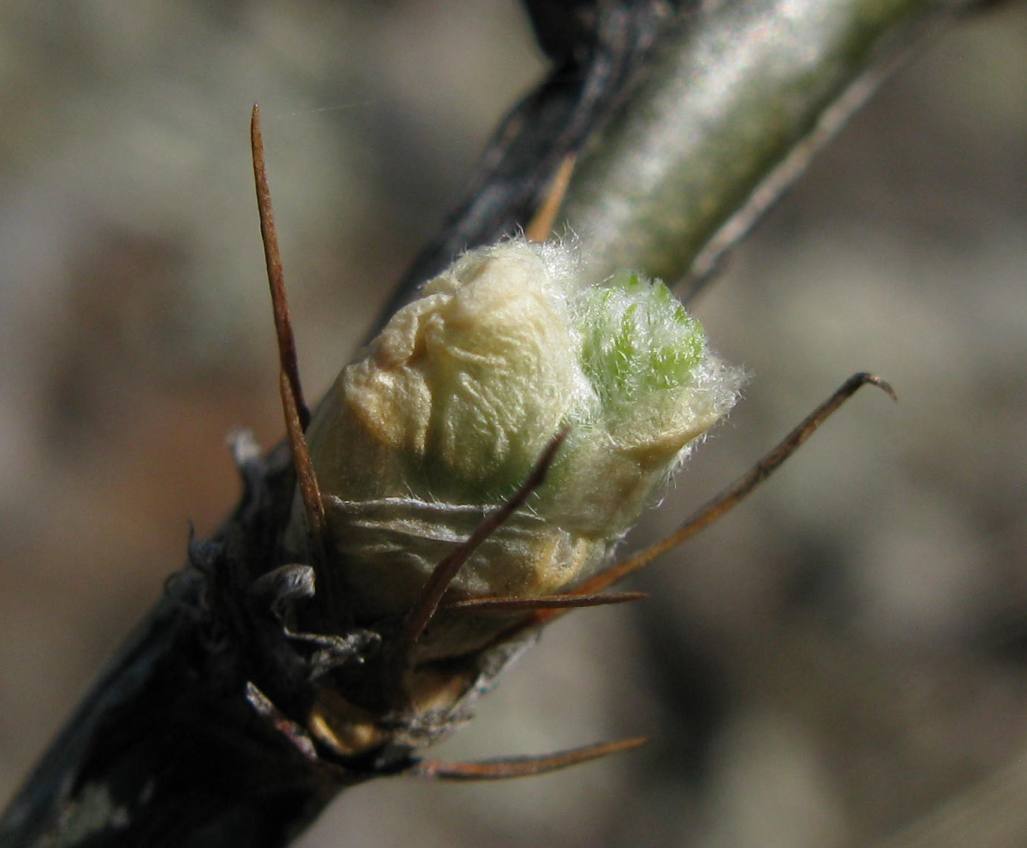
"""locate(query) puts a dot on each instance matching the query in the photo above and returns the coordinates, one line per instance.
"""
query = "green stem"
(740, 97)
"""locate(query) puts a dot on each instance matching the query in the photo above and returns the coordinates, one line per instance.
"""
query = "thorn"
(503, 768)
(275, 275)
(563, 601)
(313, 505)
(541, 225)
(310, 491)
(431, 595)
(295, 411)
(729, 497)
(293, 408)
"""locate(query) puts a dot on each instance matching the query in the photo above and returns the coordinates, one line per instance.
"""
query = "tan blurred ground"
(836, 658)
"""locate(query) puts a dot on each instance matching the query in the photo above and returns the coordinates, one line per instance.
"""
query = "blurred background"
(842, 656)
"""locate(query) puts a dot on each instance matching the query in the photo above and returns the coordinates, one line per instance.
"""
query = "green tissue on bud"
(456, 399)
(637, 338)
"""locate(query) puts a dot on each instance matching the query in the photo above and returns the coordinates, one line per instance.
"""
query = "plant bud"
(455, 400)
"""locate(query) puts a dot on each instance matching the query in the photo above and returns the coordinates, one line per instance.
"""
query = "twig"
(735, 104)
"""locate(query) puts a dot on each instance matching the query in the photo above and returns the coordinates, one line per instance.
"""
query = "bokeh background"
(837, 659)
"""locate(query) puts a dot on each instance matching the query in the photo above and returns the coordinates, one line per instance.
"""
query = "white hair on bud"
(458, 396)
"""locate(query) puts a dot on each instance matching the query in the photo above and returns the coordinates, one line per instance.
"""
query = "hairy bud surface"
(452, 404)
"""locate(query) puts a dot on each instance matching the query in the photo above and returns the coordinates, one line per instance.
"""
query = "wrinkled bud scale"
(458, 396)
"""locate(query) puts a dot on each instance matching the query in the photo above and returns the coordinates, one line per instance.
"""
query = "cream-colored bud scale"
(452, 404)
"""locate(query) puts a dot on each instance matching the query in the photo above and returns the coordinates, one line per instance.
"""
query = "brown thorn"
(729, 497)
(306, 479)
(296, 414)
(313, 505)
(431, 595)
(541, 224)
(504, 768)
(295, 411)
(275, 276)
(564, 601)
